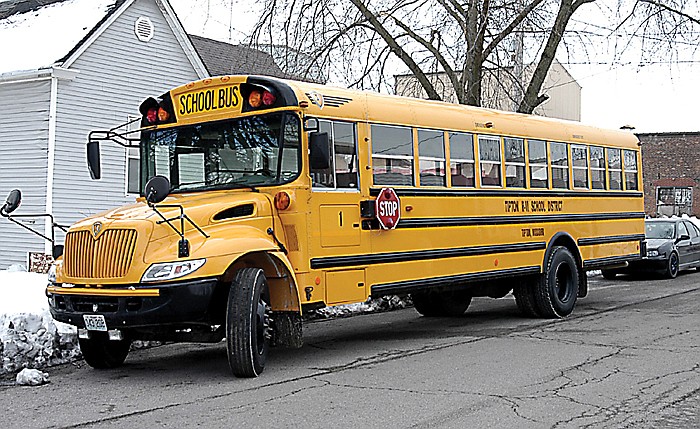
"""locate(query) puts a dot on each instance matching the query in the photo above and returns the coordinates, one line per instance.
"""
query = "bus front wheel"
(102, 353)
(557, 289)
(248, 323)
(436, 304)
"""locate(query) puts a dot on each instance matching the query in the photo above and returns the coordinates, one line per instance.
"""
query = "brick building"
(671, 170)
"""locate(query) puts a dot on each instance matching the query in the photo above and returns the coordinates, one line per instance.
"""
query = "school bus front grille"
(108, 256)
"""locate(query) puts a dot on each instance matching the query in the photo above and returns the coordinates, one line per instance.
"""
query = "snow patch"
(44, 36)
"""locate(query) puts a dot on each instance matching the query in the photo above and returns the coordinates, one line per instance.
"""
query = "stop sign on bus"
(388, 208)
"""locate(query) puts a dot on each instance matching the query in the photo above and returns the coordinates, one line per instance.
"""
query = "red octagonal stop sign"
(388, 208)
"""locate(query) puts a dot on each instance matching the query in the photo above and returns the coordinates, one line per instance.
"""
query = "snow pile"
(387, 303)
(29, 337)
(44, 36)
(32, 377)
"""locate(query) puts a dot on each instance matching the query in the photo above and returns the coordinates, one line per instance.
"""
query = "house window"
(579, 164)
(431, 158)
(560, 165)
(133, 176)
(515, 162)
(392, 155)
(490, 160)
(537, 156)
(462, 159)
(673, 200)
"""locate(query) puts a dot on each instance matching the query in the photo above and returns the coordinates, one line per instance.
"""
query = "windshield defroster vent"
(234, 212)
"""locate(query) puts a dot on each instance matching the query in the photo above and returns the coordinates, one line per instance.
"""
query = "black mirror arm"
(182, 217)
(119, 137)
(13, 220)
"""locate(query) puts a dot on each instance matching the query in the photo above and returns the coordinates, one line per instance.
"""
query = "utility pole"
(518, 66)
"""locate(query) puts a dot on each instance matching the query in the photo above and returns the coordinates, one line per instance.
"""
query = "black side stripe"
(602, 262)
(609, 239)
(510, 220)
(420, 255)
(506, 193)
(447, 281)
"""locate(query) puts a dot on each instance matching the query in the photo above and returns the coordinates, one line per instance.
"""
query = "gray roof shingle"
(222, 58)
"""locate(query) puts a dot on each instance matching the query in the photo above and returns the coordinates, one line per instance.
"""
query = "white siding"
(24, 123)
(117, 72)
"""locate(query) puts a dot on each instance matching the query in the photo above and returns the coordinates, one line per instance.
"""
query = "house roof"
(40, 32)
(55, 32)
(222, 58)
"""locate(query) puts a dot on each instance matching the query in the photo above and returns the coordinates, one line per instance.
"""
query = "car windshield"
(661, 230)
(244, 152)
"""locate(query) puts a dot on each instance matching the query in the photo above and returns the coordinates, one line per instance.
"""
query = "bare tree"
(462, 42)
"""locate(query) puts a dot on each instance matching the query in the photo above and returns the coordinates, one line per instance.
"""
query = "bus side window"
(490, 160)
(431, 158)
(325, 178)
(537, 157)
(462, 159)
(515, 162)
(630, 158)
(392, 155)
(597, 167)
(345, 154)
(615, 168)
(579, 155)
(560, 165)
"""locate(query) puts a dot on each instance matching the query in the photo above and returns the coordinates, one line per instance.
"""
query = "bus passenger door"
(336, 225)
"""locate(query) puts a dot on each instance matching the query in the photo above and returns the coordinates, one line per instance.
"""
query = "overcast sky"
(651, 98)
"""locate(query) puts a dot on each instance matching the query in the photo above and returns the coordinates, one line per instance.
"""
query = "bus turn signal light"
(282, 200)
(260, 98)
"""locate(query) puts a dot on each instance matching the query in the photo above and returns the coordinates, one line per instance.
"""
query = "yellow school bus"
(265, 198)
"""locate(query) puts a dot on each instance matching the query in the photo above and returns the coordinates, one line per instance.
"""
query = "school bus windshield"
(242, 152)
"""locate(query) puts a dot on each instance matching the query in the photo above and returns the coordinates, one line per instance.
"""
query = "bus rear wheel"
(525, 298)
(437, 304)
(248, 323)
(102, 353)
(557, 289)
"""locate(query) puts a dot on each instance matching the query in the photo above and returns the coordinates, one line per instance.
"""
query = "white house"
(68, 67)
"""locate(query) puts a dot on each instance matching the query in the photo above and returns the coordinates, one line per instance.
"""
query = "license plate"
(95, 322)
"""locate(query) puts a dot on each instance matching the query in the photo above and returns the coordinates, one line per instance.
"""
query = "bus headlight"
(171, 270)
(52, 274)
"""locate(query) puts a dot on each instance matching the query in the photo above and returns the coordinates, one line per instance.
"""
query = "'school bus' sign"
(388, 208)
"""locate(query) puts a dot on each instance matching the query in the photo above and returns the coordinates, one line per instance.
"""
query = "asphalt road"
(627, 357)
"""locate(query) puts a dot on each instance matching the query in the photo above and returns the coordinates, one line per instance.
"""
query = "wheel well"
(281, 283)
(565, 240)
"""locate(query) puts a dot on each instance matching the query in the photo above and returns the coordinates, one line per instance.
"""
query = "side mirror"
(683, 238)
(320, 151)
(12, 202)
(157, 188)
(57, 251)
(93, 159)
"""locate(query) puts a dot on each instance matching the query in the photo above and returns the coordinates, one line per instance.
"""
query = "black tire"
(248, 323)
(609, 274)
(525, 298)
(101, 353)
(557, 289)
(441, 304)
(672, 266)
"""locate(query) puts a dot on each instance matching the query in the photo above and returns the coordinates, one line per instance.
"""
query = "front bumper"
(647, 264)
(180, 303)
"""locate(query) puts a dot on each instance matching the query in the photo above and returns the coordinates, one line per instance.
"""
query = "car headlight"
(652, 253)
(171, 270)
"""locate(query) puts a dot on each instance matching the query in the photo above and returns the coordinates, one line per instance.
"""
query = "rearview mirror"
(683, 238)
(320, 151)
(93, 159)
(12, 202)
(157, 188)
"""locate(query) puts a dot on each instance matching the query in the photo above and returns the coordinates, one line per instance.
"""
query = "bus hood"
(204, 209)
